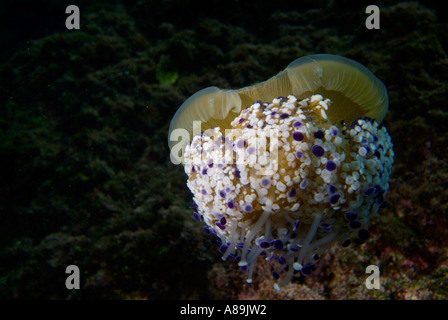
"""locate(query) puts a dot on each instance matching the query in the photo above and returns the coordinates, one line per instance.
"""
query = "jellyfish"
(283, 169)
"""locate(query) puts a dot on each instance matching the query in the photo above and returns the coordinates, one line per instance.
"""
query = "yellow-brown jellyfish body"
(304, 164)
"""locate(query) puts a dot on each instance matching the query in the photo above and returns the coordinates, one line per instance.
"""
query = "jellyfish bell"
(211, 107)
(354, 90)
(324, 170)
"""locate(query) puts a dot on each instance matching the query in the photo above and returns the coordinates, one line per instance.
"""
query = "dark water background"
(85, 170)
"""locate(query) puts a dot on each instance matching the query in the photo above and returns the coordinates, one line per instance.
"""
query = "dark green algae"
(86, 173)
